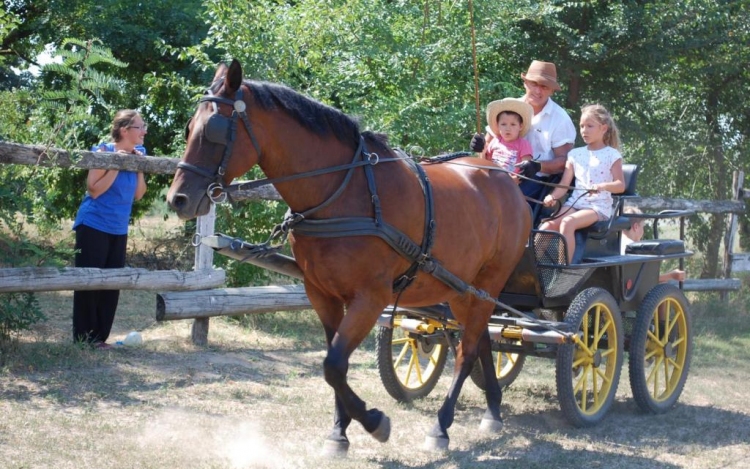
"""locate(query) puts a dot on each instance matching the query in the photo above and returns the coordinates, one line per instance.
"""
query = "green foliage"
(74, 90)
(673, 77)
(393, 63)
(18, 312)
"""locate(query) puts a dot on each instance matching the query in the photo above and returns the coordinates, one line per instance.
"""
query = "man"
(552, 133)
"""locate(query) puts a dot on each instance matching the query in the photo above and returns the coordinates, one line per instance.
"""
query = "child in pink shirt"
(508, 121)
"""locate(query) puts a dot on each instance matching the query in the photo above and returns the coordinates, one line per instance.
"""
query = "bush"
(18, 312)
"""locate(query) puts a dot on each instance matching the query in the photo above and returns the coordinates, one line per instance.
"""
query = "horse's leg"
(475, 331)
(344, 333)
(491, 422)
(330, 313)
(337, 443)
(360, 317)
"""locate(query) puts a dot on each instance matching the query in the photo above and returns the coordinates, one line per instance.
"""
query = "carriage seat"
(602, 231)
(617, 222)
(656, 247)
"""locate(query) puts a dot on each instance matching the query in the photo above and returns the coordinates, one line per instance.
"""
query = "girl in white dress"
(597, 168)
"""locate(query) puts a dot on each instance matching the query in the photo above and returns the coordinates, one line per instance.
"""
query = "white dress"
(592, 167)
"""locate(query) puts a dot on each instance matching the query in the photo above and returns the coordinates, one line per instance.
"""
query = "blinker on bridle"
(223, 131)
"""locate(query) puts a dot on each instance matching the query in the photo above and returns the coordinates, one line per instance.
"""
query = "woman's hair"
(601, 115)
(122, 120)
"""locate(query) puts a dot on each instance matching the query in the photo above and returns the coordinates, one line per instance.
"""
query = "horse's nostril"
(178, 201)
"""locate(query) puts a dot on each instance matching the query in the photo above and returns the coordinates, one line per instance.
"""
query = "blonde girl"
(597, 168)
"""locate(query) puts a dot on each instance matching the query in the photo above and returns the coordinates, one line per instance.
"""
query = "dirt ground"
(255, 397)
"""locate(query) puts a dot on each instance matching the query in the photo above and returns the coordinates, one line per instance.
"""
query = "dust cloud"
(187, 438)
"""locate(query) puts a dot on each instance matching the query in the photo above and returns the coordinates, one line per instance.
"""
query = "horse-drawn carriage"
(452, 245)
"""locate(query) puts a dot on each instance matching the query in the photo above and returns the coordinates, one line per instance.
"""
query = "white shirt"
(550, 128)
(592, 167)
(624, 242)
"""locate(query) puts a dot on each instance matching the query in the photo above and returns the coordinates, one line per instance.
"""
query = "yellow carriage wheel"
(410, 363)
(660, 349)
(588, 371)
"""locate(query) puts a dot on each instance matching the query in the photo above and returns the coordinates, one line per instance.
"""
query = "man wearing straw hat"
(552, 133)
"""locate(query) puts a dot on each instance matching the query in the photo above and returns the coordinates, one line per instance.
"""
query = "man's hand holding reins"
(529, 168)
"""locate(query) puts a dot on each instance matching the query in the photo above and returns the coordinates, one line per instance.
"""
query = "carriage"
(452, 246)
(613, 301)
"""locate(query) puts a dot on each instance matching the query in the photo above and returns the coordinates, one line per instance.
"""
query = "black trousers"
(94, 310)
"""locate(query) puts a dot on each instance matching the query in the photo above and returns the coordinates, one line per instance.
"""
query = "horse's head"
(220, 146)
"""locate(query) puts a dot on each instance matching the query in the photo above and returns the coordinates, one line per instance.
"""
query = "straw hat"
(544, 73)
(520, 107)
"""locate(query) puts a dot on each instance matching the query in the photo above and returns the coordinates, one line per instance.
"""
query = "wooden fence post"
(204, 259)
(731, 231)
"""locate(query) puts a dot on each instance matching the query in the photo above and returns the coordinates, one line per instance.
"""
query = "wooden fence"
(194, 295)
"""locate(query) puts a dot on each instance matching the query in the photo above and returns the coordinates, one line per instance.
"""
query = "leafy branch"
(75, 87)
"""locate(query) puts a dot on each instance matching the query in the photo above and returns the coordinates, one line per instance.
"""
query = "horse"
(367, 226)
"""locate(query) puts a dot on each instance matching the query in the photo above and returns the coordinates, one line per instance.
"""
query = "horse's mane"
(311, 114)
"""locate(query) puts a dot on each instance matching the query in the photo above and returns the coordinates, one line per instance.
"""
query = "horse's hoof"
(491, 425)
(383, 432)
(335, 448)
(436, 443)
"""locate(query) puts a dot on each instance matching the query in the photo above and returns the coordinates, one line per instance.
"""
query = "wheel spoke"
(414, 365)
(434, 355)
(401, 355)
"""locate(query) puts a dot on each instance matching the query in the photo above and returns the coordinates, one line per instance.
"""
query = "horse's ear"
(233, 78)
(221, 70)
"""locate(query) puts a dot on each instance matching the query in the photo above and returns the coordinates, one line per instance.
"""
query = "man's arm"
(557, 165)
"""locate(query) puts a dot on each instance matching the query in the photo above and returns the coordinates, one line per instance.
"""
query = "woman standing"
(101, 228)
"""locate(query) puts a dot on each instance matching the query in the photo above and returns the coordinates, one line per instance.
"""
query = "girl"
(598, 171)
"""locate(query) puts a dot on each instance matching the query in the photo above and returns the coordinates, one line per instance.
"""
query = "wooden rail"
(35, 279)
(203, 304)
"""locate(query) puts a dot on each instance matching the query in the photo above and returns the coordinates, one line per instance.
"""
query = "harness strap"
(428, 238)
(360, 226)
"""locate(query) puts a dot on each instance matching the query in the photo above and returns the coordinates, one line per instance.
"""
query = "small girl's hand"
(594, 189)
(549, 201)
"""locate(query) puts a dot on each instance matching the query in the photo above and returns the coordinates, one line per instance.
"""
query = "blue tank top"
(110, 212)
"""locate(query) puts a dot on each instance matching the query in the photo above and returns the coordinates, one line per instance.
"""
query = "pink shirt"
(506, 154)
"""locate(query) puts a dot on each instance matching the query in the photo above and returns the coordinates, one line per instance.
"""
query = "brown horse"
(478, 228)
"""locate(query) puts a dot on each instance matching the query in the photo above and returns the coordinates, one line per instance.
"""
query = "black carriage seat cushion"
(656, 247)
(630, 175)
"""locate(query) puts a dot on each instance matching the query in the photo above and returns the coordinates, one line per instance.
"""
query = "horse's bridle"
(222, 130)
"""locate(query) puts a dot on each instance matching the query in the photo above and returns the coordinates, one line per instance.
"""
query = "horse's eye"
(187, 128)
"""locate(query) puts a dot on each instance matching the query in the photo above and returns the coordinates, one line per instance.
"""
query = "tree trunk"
(719, 175)
(711, 259)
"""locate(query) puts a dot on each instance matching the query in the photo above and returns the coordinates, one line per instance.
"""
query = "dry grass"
(256, 398)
